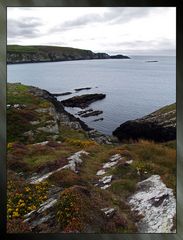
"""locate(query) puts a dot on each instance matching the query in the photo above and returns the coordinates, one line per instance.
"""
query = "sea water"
(133, 87)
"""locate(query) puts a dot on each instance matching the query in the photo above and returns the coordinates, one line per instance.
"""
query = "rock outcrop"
(62, 115)
(73, 162)
(159, 126)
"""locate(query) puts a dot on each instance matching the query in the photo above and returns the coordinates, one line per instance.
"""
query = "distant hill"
(31, 54)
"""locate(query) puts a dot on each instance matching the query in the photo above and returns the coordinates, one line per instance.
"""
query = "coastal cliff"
(33, 54)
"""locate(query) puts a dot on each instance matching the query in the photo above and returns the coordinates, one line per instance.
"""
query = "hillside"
(62, 181)
(30, 54)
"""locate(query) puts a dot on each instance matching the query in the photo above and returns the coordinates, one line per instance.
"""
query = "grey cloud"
(126, 14)
(139, 44)
(114, 15)
(24, 27)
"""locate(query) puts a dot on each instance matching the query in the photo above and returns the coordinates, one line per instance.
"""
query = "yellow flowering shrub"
(80, 143)
(24, 199)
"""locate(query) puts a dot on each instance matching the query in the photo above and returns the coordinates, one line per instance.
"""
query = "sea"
(134, 87)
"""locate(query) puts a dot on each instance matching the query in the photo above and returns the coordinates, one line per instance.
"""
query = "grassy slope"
(34, 49)
(149, 158)
(166, 109)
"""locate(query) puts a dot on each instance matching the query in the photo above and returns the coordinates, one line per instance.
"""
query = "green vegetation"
(23, 197)
(18, 93)
(167, 108)
(34, 49)
(20, 49)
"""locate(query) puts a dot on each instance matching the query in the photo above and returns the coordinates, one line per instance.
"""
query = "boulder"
(156, 205)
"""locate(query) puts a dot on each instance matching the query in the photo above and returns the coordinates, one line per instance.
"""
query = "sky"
(114, 30)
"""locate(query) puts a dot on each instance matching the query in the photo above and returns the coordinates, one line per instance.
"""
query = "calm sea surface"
(133, 87)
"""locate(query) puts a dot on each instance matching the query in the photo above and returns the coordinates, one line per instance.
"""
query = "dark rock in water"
(119, 56)
(159, 126)
(152, 61)
(61, 94)
(83, 101)
(98, 119)
(93, 113)
(85, 111)
(80, 89)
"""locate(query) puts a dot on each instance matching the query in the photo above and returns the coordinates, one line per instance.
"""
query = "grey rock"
(156, 203)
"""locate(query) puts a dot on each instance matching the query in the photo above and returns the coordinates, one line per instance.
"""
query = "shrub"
(78, 208)
(17, 165)
(69, 211)
(22, 198)
(65, 178)
(17, 226)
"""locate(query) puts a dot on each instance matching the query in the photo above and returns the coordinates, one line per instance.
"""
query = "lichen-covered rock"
(156, 204)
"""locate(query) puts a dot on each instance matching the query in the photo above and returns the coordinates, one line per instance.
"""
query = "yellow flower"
(10, 210)
(16, 214)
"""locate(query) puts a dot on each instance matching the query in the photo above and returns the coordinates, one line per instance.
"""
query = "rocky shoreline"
(159, 126)
(71, 120)
(58, 106)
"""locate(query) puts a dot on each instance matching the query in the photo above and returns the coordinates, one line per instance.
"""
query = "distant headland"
(35, 54)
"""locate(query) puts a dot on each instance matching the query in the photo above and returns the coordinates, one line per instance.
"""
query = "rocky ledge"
(159, 126)
(83, 101)
(89, 113)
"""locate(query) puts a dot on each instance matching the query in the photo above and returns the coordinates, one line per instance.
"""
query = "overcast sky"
(114, 30)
